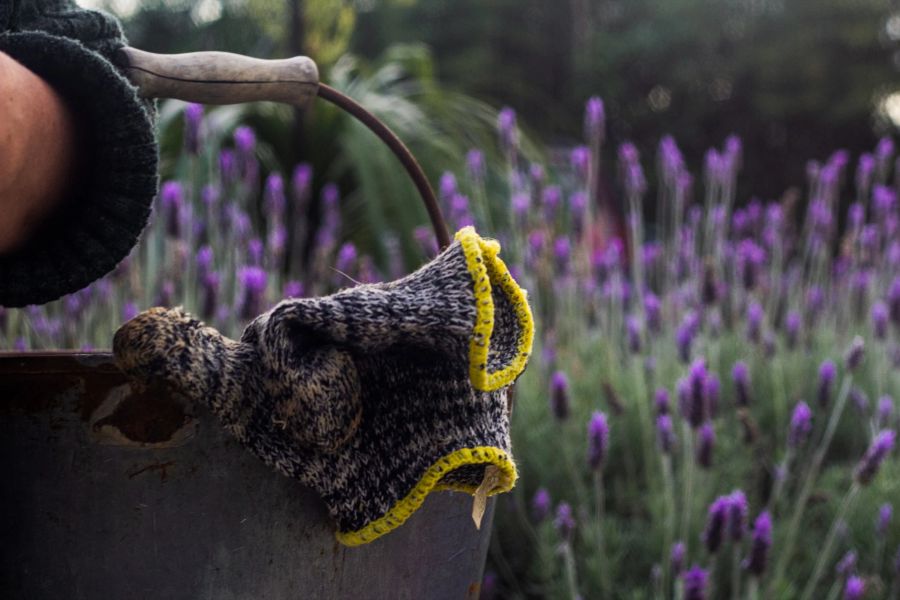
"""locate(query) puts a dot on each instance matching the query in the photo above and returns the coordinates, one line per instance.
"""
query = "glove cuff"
(100, 221)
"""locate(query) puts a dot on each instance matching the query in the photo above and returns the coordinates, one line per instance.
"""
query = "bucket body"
(112, 493)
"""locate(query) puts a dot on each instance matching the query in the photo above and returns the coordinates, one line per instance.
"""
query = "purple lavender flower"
(875, 455)
(424, 237)
(883, 200)
(293, 289)
(228, 168)
(345, 263)
(815, 300)
(253, 285)
(506, 126)
(750, 259)
(884, 151)
(276, 203)
(671, 161)
(665, 433)
(705, 442)
(551, 200)
(696, 408)
(634, 180)
(559, 395)
(577, 205)
(856, 215)
(859, 400)
(716, 521)
(855, 588)
(792, 328)
(204, 260)
(255, 252)
(695, 583)
(801, 425)
(459, 210)
(676, 558)
(885, 411)
(540, 505)
(475, 164)
(447, 186)
(245, 146)
(521, 204)
(301, 184)
(210, 283)
(894, 301)
(594, 120)
(633, 334)
(864, 170)
(562, 250)
(827, 374)
(580, 159)
(536, 174)
(165, 295)
(880, 316)
(20, 345)
(760, 544)
(854, 354)
(885, 512)
(652, 312)
(129, 311)
(245, 140)
(847, 564)
(598, 440)
(740, 374)
(171, 197)
(564, 521)
(738, 510)
(755, 316)
(193, 122)
(869, 240)
(661, 401)
(684, 338)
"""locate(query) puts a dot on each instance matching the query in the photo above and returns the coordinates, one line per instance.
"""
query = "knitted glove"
(100, 221)
(374, 396)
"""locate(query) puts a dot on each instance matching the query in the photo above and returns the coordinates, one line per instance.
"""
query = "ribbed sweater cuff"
(100, 221)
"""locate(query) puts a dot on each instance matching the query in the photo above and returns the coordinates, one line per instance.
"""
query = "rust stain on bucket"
(153, 417)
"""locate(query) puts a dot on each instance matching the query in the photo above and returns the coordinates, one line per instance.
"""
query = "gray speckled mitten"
(374, 396)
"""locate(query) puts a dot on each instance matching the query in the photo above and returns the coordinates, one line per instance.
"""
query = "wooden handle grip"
(220, 77)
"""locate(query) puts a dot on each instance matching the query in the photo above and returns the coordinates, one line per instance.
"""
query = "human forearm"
(37, 151)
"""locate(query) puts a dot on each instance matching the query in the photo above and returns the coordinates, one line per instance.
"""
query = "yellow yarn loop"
(488, 269)
(431, 481)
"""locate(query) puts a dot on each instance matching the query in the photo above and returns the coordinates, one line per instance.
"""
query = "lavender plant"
(797, 309)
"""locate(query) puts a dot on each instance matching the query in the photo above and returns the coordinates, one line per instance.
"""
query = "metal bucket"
(116, 494)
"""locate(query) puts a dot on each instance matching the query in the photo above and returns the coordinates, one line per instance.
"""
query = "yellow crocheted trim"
(430, 482)
(487, 269)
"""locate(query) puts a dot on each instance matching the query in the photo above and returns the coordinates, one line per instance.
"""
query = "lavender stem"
(825, 551)
(809, 481)
(735, 570)
(600, 497)
(571, 575)
(688, 483)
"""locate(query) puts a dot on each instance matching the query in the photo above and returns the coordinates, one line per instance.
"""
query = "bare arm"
(37, 151)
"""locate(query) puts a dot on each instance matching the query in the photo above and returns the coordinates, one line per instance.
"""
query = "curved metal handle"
(220, 77)
(225, 78)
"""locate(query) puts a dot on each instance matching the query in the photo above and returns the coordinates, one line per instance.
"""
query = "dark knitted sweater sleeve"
(109, 201)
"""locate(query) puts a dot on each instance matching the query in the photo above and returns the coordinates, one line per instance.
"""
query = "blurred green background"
(794, 79)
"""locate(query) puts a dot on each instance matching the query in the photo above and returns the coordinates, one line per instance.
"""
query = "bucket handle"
(226, 78)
